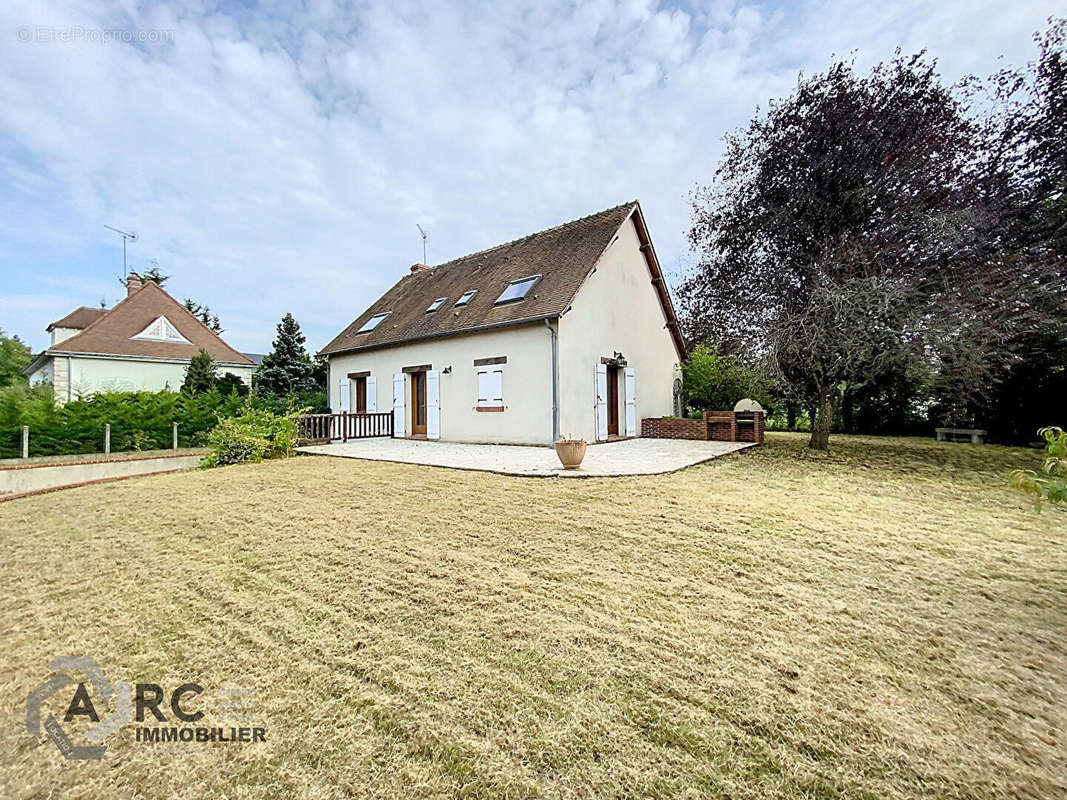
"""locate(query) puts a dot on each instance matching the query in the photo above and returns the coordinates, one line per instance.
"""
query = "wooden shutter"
(372, 395)
(631, 401)
(433, 404)
(601, 388)
(398, 405)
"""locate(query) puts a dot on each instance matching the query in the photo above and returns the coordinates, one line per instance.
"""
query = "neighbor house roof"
(79, 318)
(110, 333)
(562, 256)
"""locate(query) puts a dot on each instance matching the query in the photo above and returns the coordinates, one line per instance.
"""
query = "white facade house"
(567, 333)
(144, 343)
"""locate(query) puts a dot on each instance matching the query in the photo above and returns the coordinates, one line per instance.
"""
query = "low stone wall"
(674, 428)
(17, 480)
(714, 426)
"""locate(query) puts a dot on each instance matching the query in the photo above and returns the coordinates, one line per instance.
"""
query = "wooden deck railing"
(344, 426)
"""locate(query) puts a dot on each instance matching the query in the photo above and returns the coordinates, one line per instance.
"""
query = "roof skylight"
(436, 304)
(517, 290)
(373, 322)
(466, 297)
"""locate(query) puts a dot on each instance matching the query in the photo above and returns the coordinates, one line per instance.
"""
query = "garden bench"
(951, 434)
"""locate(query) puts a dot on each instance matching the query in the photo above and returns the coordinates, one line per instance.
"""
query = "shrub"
(715, 382)
(231, 384)
(136, 440)
(1050, 484)
(311, 401)
(253, 435)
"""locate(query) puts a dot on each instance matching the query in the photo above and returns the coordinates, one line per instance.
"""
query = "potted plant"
(571, 452)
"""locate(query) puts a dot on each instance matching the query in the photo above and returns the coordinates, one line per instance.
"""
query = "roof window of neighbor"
(517, 290)
(373, 322)
(436, 304)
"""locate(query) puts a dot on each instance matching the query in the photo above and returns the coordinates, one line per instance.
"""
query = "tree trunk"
(791, 416)
(824, 419)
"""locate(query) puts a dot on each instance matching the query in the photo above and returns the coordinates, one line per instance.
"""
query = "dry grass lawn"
(888, 620)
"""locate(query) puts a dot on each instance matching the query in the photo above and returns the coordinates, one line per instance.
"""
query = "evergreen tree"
(204, 314)
(287, 369)
(231, 384)
(200, 376)
(151, 275)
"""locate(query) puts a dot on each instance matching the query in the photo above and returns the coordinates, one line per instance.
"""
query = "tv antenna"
(132, 237)
(424, 235)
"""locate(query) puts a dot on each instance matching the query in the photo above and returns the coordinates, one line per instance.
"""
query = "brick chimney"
(418, 267)
(133, 283)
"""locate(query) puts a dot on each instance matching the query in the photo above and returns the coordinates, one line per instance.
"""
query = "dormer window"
(373, 322)
(517, 290)
(161, 330)
(436, 304)
(465, 298)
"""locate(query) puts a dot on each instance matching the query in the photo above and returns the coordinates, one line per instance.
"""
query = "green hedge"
(255, 434)
(139, 420)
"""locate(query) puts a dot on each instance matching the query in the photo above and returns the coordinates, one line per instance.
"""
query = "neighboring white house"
(143, 343)
(569, 332)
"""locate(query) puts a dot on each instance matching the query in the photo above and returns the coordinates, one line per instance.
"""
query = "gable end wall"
(616, 310)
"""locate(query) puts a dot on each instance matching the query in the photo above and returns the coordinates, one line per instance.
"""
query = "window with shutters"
(490, 388)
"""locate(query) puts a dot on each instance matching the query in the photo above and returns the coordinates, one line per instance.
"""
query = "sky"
(276, 157)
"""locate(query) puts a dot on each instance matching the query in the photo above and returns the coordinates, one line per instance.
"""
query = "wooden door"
(613, 401)
(361, 396)
(418, 403)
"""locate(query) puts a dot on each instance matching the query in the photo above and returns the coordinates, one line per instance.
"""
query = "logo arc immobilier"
(121, 691)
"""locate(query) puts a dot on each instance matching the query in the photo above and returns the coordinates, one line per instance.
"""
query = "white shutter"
(344, 392)
(433, 404)
(496, 387)
(398, 404)
(490, 387)
(372, 395)
(631, 401)
(601, 386)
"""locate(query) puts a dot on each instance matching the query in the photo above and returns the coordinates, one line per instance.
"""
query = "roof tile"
(562, 256)
(80, 318)
(110, 333)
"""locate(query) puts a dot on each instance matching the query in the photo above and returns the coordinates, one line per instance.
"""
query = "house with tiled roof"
(569, 332)
(144, 343)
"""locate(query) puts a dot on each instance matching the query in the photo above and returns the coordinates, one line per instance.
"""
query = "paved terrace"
(628, 457)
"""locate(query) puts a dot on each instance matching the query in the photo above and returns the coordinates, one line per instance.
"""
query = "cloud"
(277, 158)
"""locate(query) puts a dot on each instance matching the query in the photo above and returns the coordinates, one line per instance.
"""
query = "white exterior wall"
(616, 310)
(46, 374)
(59, 334)
(89, 375)
(527, 382)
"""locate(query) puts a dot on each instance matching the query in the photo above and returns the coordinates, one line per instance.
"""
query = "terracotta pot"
(571, 452)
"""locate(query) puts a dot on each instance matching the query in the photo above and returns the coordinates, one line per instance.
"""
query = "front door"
(613, 401)
(418, 403)
(361, 395)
